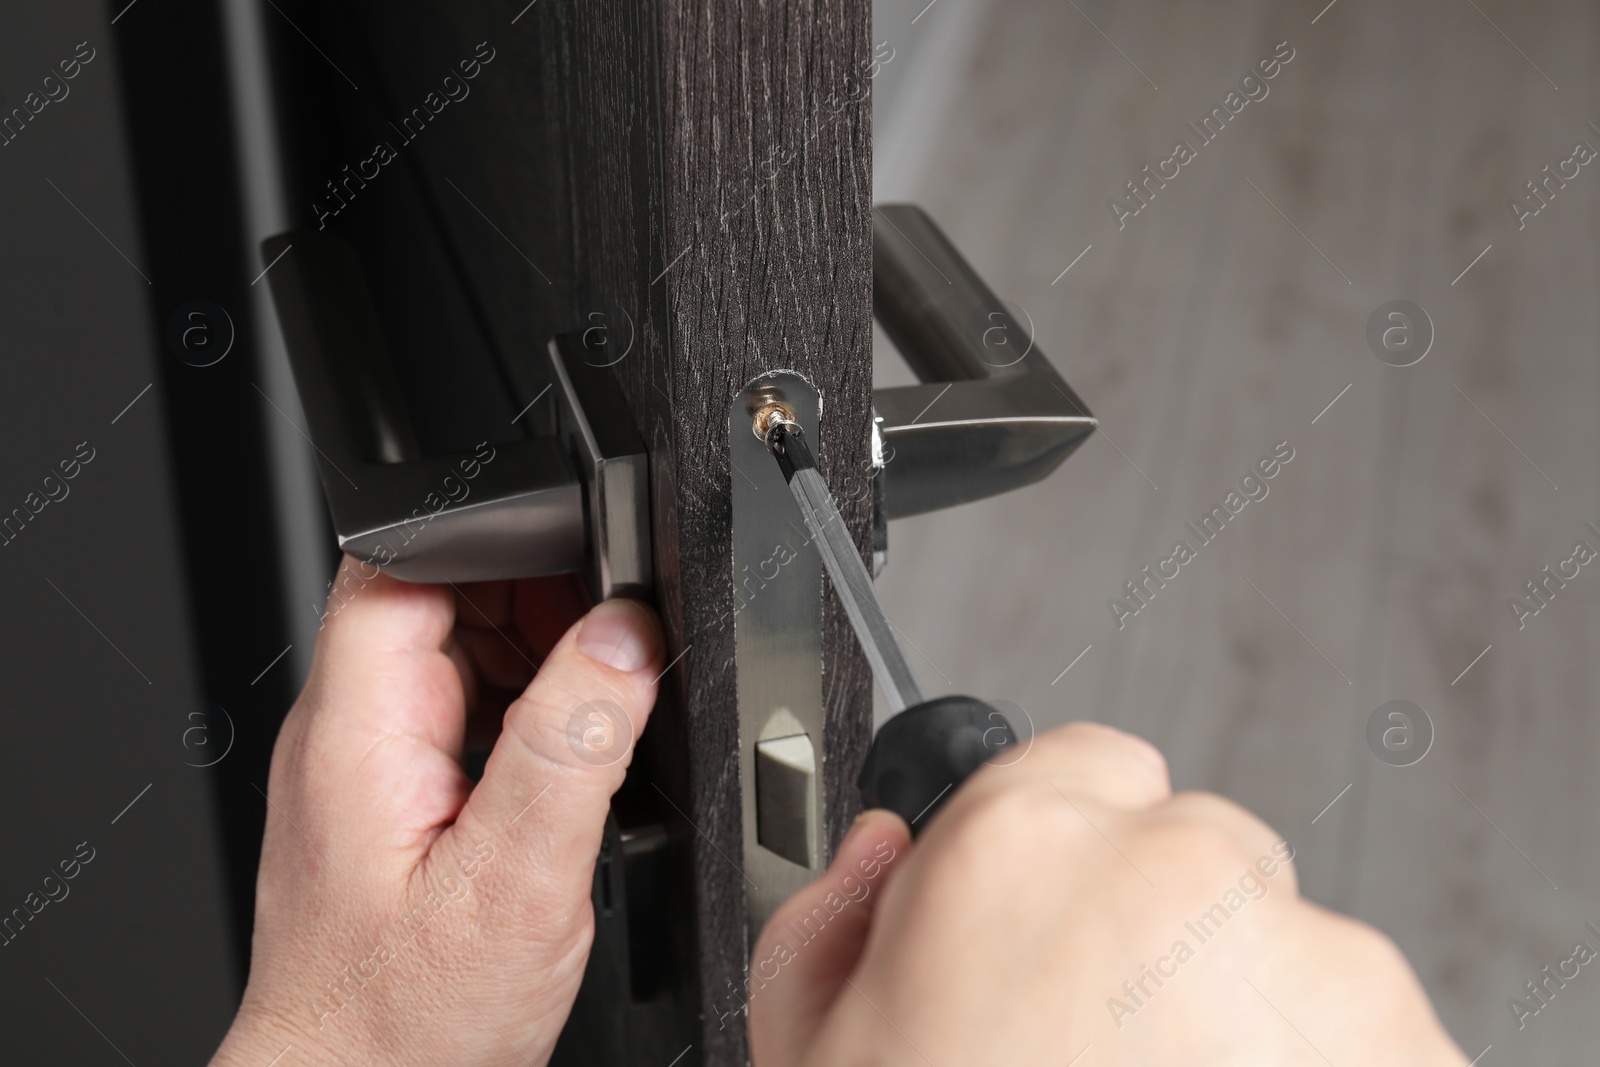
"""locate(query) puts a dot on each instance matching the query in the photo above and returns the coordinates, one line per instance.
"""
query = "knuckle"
(1203, 847)
(1248, 830)
(1372, 951)
(1135, 759)
(559, 723)
(535, 724)
(1201, 807)
(1011, 811)
(1388, 991)
(1000, 826)
(1099, 736)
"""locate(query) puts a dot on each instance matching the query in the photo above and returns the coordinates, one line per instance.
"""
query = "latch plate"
(777, 617)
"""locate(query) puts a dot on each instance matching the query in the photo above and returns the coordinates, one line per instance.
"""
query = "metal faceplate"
(777, 618)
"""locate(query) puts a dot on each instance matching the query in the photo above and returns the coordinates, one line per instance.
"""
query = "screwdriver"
(928, 747)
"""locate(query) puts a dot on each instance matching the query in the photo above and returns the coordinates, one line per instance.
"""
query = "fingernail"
(618, 634)
(871, 815)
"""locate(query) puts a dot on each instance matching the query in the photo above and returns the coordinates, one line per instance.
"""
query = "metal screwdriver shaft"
(927, 748)
(850, 579)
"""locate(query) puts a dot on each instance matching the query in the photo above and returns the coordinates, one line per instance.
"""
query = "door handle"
(991, 413)
(577, 501)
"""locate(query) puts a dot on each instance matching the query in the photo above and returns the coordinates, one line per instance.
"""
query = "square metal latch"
(786, 793)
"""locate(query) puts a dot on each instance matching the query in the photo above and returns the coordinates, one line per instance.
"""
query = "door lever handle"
(986, 419)
(992, 414)
(578, 501)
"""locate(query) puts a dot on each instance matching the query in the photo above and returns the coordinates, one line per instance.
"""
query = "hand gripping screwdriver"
(929, 747)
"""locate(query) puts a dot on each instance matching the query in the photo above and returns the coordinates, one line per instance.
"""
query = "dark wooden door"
(694, 180)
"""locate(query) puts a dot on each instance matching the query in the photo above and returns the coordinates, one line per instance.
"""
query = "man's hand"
(1069, 905)
(404, 916)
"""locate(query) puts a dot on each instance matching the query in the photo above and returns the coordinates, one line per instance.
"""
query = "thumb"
(562, 752)
(810, 946)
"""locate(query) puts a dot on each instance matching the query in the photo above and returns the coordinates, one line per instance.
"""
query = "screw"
(771, 412)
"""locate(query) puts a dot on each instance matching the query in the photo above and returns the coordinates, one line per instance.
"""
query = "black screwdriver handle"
(922, 755)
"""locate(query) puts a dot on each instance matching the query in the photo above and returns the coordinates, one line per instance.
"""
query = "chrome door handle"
(992, 414)
(578, 501)
(984, 420)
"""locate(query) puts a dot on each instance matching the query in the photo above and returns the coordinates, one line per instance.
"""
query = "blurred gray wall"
(98, 665)
(1227, 316)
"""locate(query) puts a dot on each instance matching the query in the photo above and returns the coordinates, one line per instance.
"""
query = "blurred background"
(162, 602)
(1224, 318)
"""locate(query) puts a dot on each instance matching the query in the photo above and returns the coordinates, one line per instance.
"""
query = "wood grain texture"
(768, 238)
(1208, 330)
